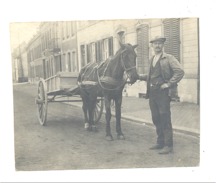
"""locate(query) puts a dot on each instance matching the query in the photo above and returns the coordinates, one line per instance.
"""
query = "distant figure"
(164, 73)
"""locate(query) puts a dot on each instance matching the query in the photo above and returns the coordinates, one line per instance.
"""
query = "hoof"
(109, 138)
(86, 126)
(121, 137)
(94, 128)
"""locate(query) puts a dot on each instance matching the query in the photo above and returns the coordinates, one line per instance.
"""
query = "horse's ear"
(134, 46)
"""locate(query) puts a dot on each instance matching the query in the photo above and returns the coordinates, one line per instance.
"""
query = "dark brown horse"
(107, 79)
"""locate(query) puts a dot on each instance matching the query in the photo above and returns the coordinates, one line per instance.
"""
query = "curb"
(179, 129)
(24, 83)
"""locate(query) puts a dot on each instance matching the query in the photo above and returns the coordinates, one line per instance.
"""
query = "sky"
(22, 32)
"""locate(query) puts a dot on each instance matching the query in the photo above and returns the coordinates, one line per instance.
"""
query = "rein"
(112, 81)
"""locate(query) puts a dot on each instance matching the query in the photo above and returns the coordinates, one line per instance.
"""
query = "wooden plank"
(61, 81)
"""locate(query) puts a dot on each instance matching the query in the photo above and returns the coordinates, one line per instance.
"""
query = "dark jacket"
(171, 72)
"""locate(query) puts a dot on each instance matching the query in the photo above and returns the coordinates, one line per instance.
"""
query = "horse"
(107, 79)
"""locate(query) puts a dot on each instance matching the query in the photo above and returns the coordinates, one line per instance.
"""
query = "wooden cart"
(55, 88)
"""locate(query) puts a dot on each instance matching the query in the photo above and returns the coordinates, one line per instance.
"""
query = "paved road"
(64, 144)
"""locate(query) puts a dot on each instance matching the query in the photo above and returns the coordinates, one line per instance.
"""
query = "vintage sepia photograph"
(108, 91)
(104, 94)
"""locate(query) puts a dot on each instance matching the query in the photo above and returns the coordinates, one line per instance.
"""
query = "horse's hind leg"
(118, 102)
(91, 109)
(108, 118)
(85, 109)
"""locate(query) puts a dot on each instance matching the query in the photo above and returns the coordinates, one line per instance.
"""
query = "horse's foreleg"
(118, 102)
(84, 107)
(108, 118)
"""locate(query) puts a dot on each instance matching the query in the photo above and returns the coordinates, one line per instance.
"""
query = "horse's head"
(128, 61)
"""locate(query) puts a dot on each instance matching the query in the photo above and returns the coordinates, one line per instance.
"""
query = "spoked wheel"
(98, 110)
(41, 101)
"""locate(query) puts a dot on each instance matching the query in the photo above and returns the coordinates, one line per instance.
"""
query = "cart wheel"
(41, 102)
(98, 110)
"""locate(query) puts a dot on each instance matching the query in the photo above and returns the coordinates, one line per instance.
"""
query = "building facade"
(34, 58)
(68, 46)
(97, 40)
(68, 40)
(53, 50)
(20, 64)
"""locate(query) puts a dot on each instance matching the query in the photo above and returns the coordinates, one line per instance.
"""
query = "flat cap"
(158, 38)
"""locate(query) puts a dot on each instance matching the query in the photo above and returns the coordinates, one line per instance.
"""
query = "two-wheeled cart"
(59, 88)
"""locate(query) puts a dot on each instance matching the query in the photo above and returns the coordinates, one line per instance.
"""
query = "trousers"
(159, 103)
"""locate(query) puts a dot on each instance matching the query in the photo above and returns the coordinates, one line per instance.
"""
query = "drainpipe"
(198, 77)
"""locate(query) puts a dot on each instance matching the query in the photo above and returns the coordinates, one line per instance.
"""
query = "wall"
(188, 87)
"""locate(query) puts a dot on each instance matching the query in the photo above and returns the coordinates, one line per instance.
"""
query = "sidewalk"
(185, 116)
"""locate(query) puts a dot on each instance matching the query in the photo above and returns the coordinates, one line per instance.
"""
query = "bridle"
(123, 81)
(123, 64)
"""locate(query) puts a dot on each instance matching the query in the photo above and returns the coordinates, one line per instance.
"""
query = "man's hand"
(164, 86)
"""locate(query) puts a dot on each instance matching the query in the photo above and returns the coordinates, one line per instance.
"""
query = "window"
(75, 62)
(58, 63)
(52, 65)
(69, 62)
(110, 46)
(83, 55)
(105, 49)
(91, 52)
(172, 34)
(97, 51)
(64, 64)
(88, 53)
(99, 57)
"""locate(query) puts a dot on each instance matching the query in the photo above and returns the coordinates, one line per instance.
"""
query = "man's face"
(158, 46)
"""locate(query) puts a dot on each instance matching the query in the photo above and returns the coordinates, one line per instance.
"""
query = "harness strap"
(111, 81)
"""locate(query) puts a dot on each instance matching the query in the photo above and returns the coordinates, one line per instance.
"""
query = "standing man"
(164, 74)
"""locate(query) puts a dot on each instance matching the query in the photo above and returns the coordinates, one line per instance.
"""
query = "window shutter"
(101, 50)
(143, 48)
(88, 53)
(172, 34)
(110, 46)
(97, 51)
(172, 44)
